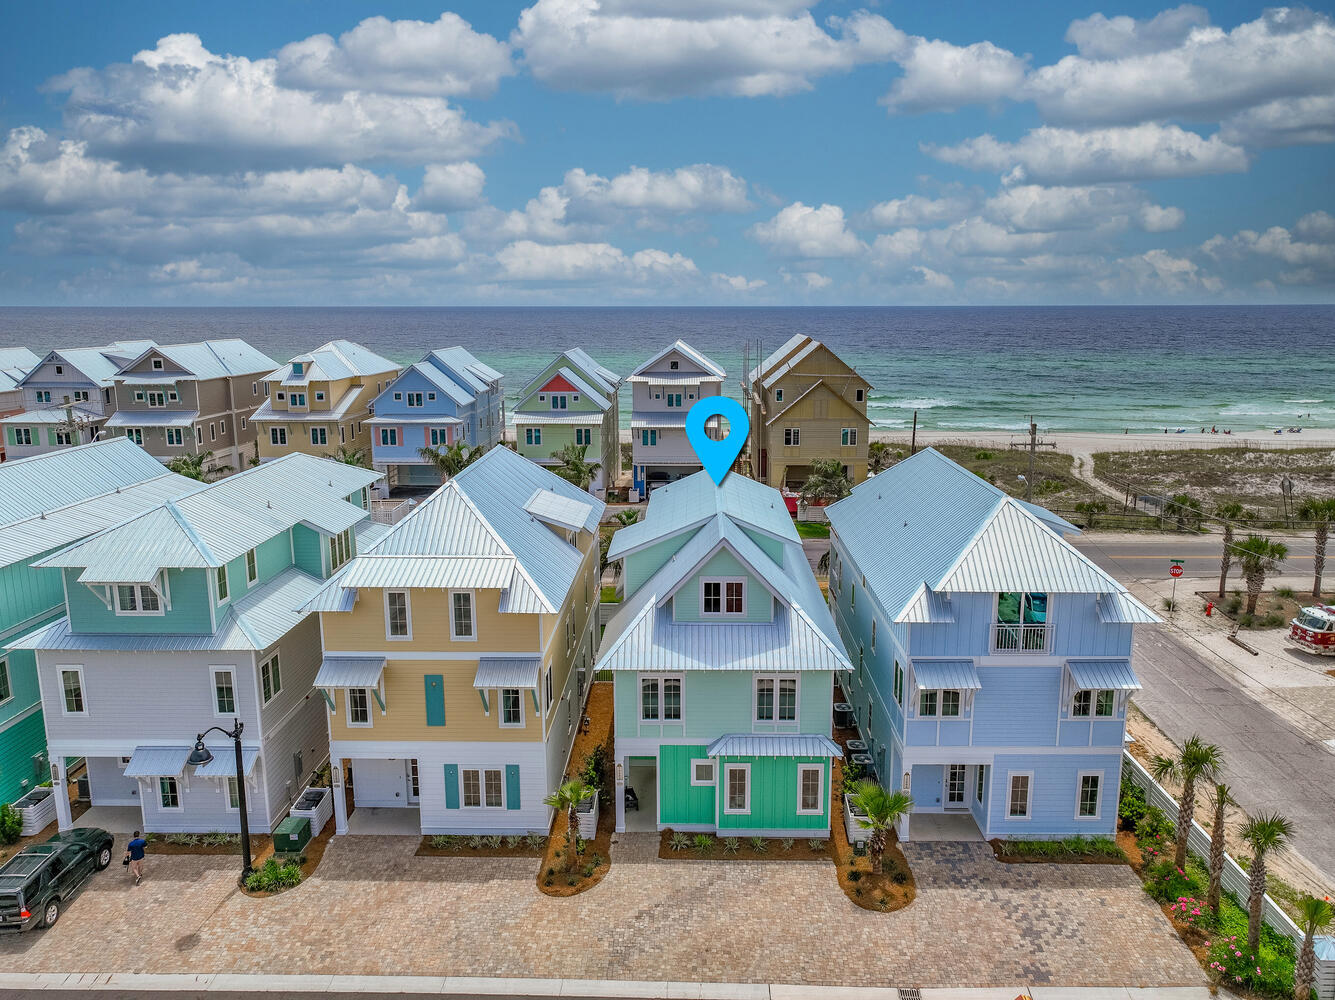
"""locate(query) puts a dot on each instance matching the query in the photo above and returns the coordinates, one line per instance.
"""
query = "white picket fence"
(1235, 880)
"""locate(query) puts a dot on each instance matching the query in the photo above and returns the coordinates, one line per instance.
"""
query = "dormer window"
(674, 365)
(298, 368)
(722, 597)
(137, 599)
(157, 364)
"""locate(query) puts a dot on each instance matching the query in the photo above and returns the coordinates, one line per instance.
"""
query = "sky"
(665, 152)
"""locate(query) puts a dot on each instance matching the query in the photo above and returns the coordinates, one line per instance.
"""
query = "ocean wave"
(889, 423)
(1270, 410)
(914, 404)
(976, 425)
(1303, 400)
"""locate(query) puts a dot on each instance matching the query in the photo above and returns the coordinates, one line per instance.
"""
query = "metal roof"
(267, 411)
(507, 672)
(465, 572)
(787, 366)
(652, 418)
(607, 379)
(949, 674)
(557, 417)
(794, 745)
(350, 672)
(18, 360)
(338, 359)
(561, 510)
(156, 762)
(152, 418)
(462, 362)
(708, 369)
(928, 607)
(1099, 675)
(223, 764)
(97, 364)
(53, 414)
(789, 345)
(581, 384)
(206, 359)
(440, 420)
(1124, 609)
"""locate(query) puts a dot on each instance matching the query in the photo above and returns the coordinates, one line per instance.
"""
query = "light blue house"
(723, 656)
(185, 617)
(46, 502)
(449, 396)
(991, 659)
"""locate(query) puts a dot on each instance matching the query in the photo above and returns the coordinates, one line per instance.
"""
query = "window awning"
(774, 746)
(350, 671)
(502, 672)
(156, 762)
(946, 674)
(1097, 675)
(152, 418)
(223, 764)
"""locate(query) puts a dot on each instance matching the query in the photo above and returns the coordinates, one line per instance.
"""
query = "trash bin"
(292, 835)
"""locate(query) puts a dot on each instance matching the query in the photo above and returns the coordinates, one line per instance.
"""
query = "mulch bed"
(261, 846)
(774, 850)
(312, 857)
(523, 850)
(998, 846)
(871, 892)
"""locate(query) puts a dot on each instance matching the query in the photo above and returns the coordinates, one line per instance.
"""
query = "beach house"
(991, 659)
(572, 402)
(457, 653)
(15, 363)
(185, 617)
(184, 399)
(46, 502)
(662, 390)
(67, 396)
(723, 655)
(448, 397)
(806, 404)
(320, 401)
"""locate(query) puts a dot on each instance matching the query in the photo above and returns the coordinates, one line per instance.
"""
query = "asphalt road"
(1142, 557)
(249, 995)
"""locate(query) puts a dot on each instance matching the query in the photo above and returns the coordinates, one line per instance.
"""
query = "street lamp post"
(202, 755)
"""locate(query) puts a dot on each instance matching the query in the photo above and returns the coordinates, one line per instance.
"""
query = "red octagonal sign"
(1175, 571)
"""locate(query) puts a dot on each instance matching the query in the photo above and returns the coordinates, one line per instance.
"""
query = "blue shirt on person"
(136, 848)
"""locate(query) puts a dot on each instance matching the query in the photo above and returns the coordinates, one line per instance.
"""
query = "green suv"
(36, 883)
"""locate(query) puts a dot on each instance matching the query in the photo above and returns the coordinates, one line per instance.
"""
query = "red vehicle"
(1314, 629)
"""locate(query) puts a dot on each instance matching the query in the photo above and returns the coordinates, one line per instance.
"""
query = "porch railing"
(1021, 638)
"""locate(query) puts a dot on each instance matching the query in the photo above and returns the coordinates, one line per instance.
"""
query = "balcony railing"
(1021, 638)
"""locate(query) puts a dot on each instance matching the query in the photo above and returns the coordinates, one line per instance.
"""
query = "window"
(233, 795)
(776, 698)
(1088, 801)
(389, 437)
(255, 388)
(319, 435)
(512, 707)
(6, 691)
(431, 397)
(702, 772)
(899, 683)
(439, 436)
(1105, 704)
(483, 787)
(1021, 795)
(722, 597)
(950, 703)
(873, 635)
(547, 688)
(927, 703)
(648, 438)
(169, 793)
(1021, 621)
(213, 432)
(414, 399)
(157, 398)
(224, 692)
(63, 437)
(859, 395)
(137, 599)
(252, 567)
(737, 783)
(135, 434)
(298, 399)
(340, 549)
(281, 396)
(778, 395)
(491, 786)
(674, 365)
(981, 784)
(271, 680)
(175, 437)
(71, 683)
(1082, 703)
(463, 626)
(848, 436)
(532, 435)
(43, 396)
(671, 699)
(661, 699)
(60, 369)
(81, 395)
(23, 435)
(319, 397)
(583, 436)
(792, 437)
(277, 435)
(414, 783)
(398, 619)
(674, 399)
(398, 397)
(199, 434)
(560, 402)
(810, 786)
(157, 364)
(359, 707)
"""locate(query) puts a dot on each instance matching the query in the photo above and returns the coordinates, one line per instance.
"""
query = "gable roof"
(97, 364)
(820, 385)
(15, 363)
(338, 359)
(204, 360)
(950, 531)
(600, 377)
(709, 370)
(797, 349)
(477, 527)
(452, 370)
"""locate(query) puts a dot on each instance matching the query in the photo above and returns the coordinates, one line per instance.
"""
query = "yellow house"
(806, 404)
(457, 655)
(321, 400)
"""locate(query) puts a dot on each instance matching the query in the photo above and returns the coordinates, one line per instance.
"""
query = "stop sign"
(1175, 570)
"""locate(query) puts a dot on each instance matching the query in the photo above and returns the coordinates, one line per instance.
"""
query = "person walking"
(134, 854)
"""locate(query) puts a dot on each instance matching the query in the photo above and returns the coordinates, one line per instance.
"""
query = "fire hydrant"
(1209, 608)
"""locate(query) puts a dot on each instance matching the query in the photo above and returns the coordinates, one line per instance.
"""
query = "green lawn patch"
(812, 529)
(610, 596)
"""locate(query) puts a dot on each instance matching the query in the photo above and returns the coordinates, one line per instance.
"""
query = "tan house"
(321, 400)
(806, 404)
(457, 655)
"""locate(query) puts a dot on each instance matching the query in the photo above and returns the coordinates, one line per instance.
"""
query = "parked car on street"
(38, 883)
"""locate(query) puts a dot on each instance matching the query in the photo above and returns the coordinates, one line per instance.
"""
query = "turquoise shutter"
(511, 786)
(451, 786)
(434, 685)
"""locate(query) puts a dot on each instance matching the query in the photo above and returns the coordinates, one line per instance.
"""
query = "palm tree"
(567, 798)
(192, 466)
(1313, 915)
(1266, 833)
(1258, 556)
(882, 811)
(1223, 798)
(626, 517)
(1186, 510)
(1227, 512)
(826, 482)
(572, 466)
(879, 457)
(1197, 760)
(349, 455)
(452, 459)
(1320, 511)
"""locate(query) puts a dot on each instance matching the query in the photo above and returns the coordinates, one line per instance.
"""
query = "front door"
(955, 786)
(414, 790)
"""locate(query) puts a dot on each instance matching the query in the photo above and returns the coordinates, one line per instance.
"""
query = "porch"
(405, 821)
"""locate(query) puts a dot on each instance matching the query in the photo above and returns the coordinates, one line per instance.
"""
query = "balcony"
(1027, 638)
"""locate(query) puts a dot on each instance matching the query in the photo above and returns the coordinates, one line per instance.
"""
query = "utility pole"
(913, 439)
(1033, 446)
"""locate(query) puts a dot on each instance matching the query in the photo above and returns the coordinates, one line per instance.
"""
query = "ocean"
(963, 369)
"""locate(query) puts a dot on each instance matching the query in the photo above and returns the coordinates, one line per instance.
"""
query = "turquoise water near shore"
(963, 369)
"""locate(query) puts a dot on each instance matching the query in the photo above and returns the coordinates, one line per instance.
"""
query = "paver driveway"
(374, 908)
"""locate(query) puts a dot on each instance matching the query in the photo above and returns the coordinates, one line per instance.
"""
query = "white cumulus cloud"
(1117, 206)
(450, 186)
(939, 76)
(800, 230)
(1100, 37)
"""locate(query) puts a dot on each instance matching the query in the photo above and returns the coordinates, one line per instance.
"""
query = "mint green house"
(573, 401)
(723, 656)
(49, 500)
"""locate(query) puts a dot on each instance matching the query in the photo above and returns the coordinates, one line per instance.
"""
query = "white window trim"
(9, 679)
(500, 716)
(481, 787)
(1098, 806)
(180, 803)
(213, 691)
(347, 709)
(820, 793)
(61, 670)
(277, 690)
(472, 614)
(407, 613)
(723, 611)
(1029, 801)
(713, 771)
(227, 579)
(224, 784)
(252, 563)
(959, 713)
(162, 595)
(755, 699)
(727, 770)
(658, 679)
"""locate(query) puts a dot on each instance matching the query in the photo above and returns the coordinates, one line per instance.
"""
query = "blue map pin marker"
(717, 456)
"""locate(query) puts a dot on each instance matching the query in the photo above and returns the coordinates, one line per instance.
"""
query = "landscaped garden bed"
(478, 846)
(890, 889)
(207, 843)
(1275, 609)
(678, 846)
(1067, 851)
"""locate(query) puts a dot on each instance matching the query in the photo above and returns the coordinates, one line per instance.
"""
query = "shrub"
(732, 845)
(759, 844)
(182, 839)
(513, 842)
(983, 456)
(594, 772)
(1130, 804)
(1284, 592)
(1269, 974)
(1167, 883)
(679, 841)
(1168, 604)
(550, 873)
(1271, 620)
(273, 876)
(1153, 831)
(852, 775)
(815, 845)
(899, 878)
(442, 841)
(475, 842)
(220, 839)
(596, 860)
(855, 876)
(1232, 605)
(703, 843)
(589, 869)
(492, 841)
(11, 824)
(535, 839)
(786, 843)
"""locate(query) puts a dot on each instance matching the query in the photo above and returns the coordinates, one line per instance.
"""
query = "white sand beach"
(1088, 442)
